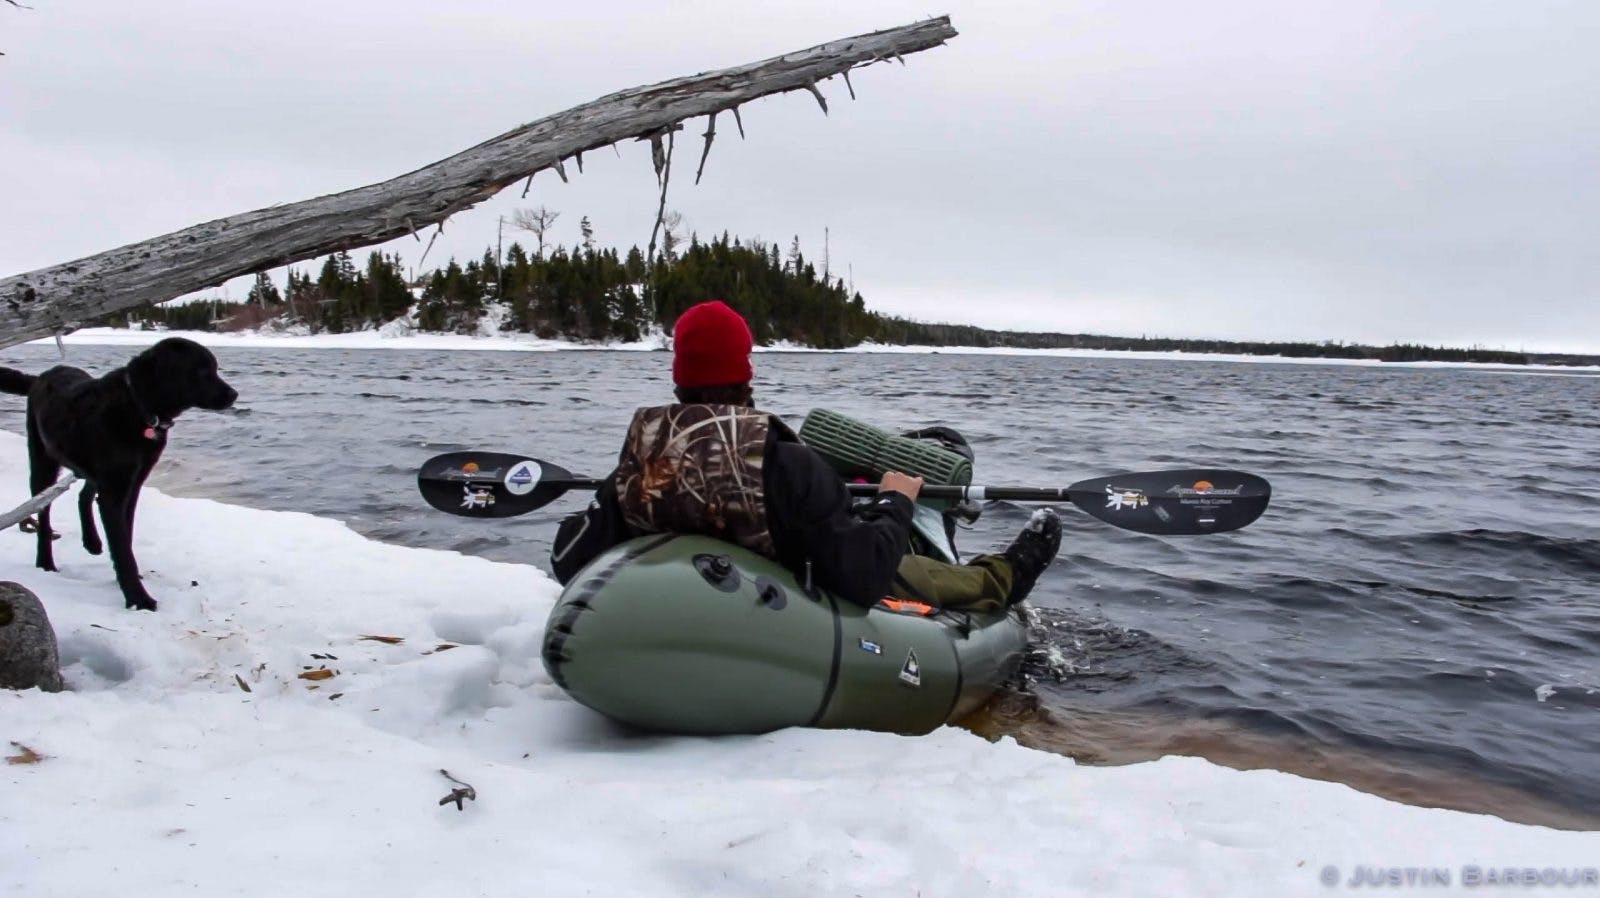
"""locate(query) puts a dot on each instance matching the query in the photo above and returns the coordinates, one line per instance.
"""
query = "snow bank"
(400, 335)
(397, 334)
(161, 773)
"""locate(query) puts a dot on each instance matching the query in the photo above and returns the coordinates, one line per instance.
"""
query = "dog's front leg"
(42, 472)
(114, 515)
(133, 494)
(44, 556)
(91, 536)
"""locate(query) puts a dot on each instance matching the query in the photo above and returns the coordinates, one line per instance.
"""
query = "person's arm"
(583, 535)
(854, 551)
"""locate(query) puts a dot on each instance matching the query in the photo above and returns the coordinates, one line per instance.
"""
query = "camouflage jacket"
(698, 469)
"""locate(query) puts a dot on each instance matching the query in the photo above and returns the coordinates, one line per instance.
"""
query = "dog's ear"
(176, 374)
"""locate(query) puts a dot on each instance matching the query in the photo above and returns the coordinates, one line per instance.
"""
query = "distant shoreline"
(374, 339)
(605, 297)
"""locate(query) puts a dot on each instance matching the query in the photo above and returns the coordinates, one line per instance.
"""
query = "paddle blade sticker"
(1173, 503)
(523, 477)
(489, 484)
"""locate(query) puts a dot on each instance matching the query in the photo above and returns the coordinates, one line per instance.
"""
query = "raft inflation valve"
(719, 571)
(770, 594)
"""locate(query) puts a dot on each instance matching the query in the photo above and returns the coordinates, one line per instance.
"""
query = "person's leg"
(986, 581)
(1032, 551)
(983, 582)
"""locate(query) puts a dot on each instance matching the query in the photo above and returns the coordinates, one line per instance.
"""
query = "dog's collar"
(155, 426)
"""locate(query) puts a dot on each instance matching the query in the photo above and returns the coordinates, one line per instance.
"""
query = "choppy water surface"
(1417, 614)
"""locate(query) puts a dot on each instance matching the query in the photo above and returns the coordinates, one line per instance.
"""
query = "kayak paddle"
(1166, 503)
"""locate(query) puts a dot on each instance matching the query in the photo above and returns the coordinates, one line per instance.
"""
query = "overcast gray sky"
(1356, 170)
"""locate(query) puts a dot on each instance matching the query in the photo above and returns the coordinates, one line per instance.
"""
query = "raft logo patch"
(523, 477)
(869, 646)
(911, 671)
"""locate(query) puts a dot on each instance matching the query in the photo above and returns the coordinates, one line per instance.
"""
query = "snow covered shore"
(517, 342)
(162, 773)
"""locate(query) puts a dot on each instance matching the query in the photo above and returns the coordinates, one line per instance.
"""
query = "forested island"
(592, 294)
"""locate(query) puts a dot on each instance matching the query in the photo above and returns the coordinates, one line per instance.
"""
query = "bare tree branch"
(63, 297)
(18, 6)
(710, 135)
(664, 171)
(537, 222)
(429, 247)
(821, 100)
(658, 154)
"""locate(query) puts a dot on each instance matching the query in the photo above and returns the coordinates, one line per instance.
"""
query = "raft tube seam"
(833, 671)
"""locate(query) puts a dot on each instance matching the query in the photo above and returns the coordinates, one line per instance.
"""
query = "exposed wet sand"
(1111, 738)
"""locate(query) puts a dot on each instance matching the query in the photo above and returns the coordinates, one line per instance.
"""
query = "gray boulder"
(27, 643)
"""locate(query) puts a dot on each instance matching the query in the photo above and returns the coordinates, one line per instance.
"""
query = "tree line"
(965, 335)
(582, 293)
(588, 293)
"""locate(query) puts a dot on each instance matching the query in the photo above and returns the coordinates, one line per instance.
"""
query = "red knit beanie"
(710, 347)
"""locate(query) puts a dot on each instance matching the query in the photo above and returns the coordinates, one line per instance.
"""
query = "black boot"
(1032, 551)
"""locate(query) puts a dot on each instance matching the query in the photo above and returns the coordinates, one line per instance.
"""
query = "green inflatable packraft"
(688, 634)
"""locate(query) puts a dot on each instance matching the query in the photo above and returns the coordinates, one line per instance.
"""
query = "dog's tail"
(12, 381)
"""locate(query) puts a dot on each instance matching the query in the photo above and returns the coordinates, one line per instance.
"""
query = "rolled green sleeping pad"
(687, 634)
(857, 449)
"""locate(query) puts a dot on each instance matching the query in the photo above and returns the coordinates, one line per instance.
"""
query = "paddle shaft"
(929, 491)
(1167, 503)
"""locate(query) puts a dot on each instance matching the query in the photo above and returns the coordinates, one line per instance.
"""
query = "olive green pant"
(982, 583)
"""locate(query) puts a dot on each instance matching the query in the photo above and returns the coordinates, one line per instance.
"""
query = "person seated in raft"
(715, 465)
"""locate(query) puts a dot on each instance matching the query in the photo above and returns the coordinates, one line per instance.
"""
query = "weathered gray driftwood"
(63, 297)
(34, 505)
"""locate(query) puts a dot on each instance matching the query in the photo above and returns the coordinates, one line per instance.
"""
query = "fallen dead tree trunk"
(64, 297)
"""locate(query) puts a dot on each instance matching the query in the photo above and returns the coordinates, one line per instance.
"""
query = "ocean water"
(1417, 614)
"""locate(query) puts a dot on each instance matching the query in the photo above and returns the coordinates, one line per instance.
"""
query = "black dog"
(110, 431)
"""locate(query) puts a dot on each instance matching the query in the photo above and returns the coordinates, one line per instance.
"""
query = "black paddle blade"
(1175, 503)
(491, 484)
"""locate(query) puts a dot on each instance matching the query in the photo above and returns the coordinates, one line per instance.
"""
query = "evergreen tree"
(388, 297)
(634, 267)
(490, 268)
(263, 292)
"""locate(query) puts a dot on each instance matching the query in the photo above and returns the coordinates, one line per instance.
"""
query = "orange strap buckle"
(906, 606)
